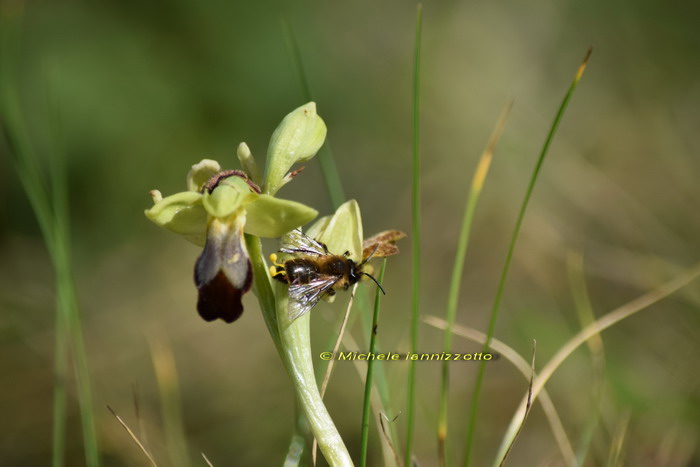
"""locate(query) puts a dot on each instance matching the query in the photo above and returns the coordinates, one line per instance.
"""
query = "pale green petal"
(231, 194)
(317, 227)
(183, 214)
(245, 157)
(297, 139)
(201, 172)
(344, 231)
(272, 217)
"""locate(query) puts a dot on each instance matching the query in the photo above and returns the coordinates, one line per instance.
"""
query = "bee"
(314, 271)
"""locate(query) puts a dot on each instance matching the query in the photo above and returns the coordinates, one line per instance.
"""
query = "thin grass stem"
(169, 388)
(594, 329)
(65, 284)
(61, 363)
(528, 406)
(415, 232)
(525, 369)
(366, 407)
(584, 311)
(325, 155)
(134, 437)
(616, 454)
(471, 427)
(53, 218)
(477, 184)
(390, 456)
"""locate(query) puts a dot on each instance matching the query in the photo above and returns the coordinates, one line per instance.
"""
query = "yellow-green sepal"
(343, 231)
(183, 214)
(272, 217)
(297, 139)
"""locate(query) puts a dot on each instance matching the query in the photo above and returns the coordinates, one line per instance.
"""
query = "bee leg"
(346, 254)
(346, 286)
(331, 292)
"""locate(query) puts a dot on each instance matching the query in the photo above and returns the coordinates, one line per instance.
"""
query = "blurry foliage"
(146, 89)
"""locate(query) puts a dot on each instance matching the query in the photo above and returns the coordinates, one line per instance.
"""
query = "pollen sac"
(223, 271)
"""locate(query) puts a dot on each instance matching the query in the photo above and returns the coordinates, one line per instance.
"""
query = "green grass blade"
(17, 143)
(52, 216)
(584, 309)
(325, 154)
(170, 399)
(509, 257)
(66, 286)
(616, 457)
(525, 369)
(61, 359)
(82, 370)
(415, 233)
(477, 184)
(366, 408)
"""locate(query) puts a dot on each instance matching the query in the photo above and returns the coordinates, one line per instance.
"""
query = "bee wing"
(302, 297)
(296, 242)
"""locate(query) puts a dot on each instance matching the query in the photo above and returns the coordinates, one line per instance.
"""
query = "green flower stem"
(296, 345)
(263, 289)
(266, 297)
(297, 444)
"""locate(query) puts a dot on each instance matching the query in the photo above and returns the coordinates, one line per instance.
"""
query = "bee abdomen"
(301, 271)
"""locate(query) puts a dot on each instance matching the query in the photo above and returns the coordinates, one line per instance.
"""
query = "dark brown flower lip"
(215, 179)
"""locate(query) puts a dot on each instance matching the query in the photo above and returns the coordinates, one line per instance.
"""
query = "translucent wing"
(296, 242)
(302, 297)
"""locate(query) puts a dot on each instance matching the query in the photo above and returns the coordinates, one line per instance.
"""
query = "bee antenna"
(375, 281)
(376, 247)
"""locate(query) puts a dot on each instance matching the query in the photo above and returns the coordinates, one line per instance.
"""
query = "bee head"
(354, 272)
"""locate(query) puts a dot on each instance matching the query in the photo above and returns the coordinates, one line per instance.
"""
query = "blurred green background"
(143, 90)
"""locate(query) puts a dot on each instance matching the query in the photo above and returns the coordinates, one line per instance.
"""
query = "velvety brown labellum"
(223, 272)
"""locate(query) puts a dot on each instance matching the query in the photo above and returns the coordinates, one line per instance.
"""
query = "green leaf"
(272, 217)
(297, 139)
(183, 214)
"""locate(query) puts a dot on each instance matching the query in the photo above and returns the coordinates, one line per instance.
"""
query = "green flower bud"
(297, 139)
